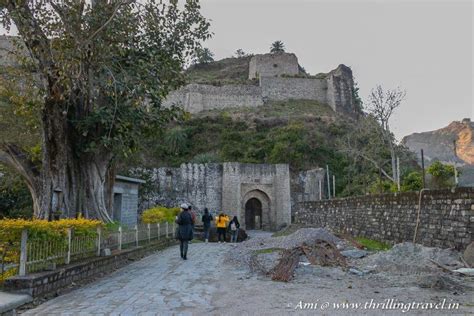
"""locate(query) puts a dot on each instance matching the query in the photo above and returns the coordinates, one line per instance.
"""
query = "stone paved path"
(163, 284)
(157, 284)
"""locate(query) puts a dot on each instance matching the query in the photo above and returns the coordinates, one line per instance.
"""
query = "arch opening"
(253, 214)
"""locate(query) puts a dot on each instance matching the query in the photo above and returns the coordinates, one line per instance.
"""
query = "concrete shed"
(125, 204)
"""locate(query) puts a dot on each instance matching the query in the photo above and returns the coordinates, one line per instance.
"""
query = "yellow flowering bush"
(10, 229)
(38, 230)
(160, 214)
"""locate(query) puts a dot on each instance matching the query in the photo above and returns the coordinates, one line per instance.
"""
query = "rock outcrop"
(451, 144)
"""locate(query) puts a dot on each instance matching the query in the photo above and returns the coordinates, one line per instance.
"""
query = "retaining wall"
(446, 217)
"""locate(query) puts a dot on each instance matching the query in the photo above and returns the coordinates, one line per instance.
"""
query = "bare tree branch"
(13, 156)
(103, 26)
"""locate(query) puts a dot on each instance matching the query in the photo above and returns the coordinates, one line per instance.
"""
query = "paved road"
(157, 284)
(164, 284)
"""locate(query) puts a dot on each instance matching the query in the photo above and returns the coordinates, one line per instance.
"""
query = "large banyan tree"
(91, 84)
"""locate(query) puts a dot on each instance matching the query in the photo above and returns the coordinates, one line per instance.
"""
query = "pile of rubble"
(244, 254)
(405, 263)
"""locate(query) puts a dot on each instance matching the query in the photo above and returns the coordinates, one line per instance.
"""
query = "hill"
(451, 144)
(303, 133)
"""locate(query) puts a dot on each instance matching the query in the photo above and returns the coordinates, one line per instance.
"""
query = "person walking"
(206, 221)
(234, 229)
(221, 224)
(185, 230)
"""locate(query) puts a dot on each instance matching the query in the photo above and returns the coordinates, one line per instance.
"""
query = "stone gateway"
(258, 194)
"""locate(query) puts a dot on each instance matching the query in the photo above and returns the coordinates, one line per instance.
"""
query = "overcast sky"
(425, 47)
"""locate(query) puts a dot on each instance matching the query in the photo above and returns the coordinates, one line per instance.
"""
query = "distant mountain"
(451, 144)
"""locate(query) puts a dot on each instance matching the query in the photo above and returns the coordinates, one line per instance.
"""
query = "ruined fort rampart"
(279, 80)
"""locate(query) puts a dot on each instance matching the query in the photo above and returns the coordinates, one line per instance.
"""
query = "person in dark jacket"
(185, 230)
(206, 222)
(234, 229)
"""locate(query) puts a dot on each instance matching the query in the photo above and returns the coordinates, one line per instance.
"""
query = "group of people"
(187, 218)
(223, 223)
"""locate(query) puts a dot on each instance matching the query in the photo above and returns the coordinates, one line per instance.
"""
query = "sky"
(423, 47)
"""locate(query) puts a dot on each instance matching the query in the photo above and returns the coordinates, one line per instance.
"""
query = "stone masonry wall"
(283, 88)
(446, 218)
(196, 98)
(198, 184)
(273, 65)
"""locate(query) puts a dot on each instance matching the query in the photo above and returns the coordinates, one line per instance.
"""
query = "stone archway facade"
(270, 184)
(267, 220)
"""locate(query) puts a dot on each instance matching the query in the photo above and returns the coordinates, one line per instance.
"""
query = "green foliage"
(107, 60)
(239, 53)
(15, 198)
(373, 245)
(304, 134)
(277, 47)
(412, 182)
(203, 56)
(267, 250)
(203, 158)
(160, 214)
(442, 175)
(176, 140)
(382, 186)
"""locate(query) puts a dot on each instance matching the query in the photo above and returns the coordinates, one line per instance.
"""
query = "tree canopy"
(92, 85)
(277, 47)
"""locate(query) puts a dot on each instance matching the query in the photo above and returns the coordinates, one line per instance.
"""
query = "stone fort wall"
(334, 90)
(270, 65)
(283, 88)
(196, 98)
(446, 217)
(227, 187)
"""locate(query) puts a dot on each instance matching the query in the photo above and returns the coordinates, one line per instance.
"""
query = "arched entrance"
(253, 214)
(256, 210)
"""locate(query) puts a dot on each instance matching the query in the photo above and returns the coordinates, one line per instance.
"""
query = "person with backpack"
(234, 229)
(185, 230)
(206, 221)
(221, 224)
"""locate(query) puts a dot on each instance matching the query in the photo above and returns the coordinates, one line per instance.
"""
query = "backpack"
(233, 227)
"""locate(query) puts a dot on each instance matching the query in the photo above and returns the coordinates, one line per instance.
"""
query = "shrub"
(160, 214)
(443, 175)
(412, 182)
(38, 230)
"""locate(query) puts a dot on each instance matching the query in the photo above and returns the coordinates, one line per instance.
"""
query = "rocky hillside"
(453, 143)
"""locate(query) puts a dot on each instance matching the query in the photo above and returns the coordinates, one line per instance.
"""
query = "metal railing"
(38, 255)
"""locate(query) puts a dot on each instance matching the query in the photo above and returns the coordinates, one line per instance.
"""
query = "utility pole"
(334, 186)
(398, 173)
(320, 191)
(329, 182)
(423, 168)
(454, 164)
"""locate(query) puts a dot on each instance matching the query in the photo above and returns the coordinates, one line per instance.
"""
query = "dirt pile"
(321, 253)
(408, 258)
(406, 264)
(261, 253)
(417, 265)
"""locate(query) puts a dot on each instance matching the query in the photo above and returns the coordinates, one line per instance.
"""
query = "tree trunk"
(73, 181)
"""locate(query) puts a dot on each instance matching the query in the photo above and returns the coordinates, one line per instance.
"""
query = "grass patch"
(267, 250)
(373, 245)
